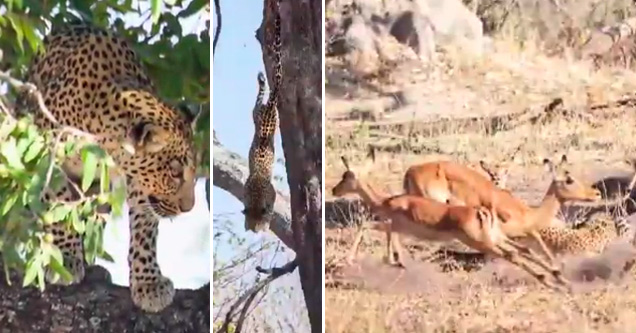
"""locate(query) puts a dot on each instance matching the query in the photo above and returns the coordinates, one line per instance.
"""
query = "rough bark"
(300, 110)
(96, 305)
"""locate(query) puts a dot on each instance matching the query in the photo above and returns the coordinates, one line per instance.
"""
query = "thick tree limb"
(96, 305)
(230, 172)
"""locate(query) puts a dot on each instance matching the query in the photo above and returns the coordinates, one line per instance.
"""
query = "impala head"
(498, 172)
(348, 184)
(567, 188)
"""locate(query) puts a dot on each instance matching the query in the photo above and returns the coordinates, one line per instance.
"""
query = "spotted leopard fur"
(260, 194)
(92, 80)
(590, 239)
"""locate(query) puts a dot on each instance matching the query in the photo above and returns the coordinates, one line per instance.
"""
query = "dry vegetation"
(469, 109)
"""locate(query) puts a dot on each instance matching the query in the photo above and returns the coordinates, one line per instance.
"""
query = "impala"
(427, 219)
(449, 182)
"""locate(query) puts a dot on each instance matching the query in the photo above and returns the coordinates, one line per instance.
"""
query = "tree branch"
(249, 296)
(230, 173)
(96, 305)
(217, 31)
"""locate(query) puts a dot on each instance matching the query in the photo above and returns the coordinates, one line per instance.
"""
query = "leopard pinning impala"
(92, 80)
(449, 182)
(427, 219)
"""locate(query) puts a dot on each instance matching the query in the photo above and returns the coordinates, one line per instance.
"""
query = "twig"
(217, 31)
(49, 172)
(32, 90)
(248, 297)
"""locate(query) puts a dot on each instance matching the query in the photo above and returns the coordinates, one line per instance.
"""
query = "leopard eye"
(176, 169)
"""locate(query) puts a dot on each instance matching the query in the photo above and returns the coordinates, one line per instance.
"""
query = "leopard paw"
(152, 296)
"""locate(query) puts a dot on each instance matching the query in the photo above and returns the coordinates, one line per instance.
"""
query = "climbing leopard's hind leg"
(258, 104)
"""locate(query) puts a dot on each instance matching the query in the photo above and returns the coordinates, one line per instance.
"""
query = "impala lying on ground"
(427, 219)
(449, 182)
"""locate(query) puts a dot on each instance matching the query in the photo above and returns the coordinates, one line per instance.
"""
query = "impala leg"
(398, 250)
(535, 258)
(544, 247)
(394, 253)
(389, 245)
(513, 257)
(353, 251)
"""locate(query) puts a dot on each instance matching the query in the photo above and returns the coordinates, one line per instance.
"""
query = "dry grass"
(373, 297)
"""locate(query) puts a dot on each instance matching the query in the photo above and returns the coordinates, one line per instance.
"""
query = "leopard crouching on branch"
(260, 194)
(92, 80)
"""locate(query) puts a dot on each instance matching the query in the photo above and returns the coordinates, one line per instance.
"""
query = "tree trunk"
(96, 305)
(300, 110)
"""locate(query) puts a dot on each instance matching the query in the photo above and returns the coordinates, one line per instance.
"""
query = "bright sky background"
(236, 64)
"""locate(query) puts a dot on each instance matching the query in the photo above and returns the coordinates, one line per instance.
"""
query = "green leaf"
(17, 27)
(40, 277)
(58, 267)
(78, 224)
(105, 256)
(17, 4)
(69, 148)
(9, 202)
(32, 268)
(104, 180)
(89, 160)
(118, 196)
(9, 150)
(6, 128)
(155, 9)
(34, 150)
(30, 34)
(23, 145)
(60, 212)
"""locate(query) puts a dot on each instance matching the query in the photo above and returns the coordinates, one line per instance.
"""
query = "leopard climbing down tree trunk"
(300, 112)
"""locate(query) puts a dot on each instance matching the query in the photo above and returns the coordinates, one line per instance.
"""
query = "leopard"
(591, 239)
(90, 79)
(259, 192)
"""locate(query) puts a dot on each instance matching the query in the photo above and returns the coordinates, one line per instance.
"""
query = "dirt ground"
(454, 110)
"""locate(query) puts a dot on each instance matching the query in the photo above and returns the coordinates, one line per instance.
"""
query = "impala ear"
(146, 137)
(371, 152)
(549, 166)
(345, 162)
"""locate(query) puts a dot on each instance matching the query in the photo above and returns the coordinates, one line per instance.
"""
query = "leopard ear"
(146, 137)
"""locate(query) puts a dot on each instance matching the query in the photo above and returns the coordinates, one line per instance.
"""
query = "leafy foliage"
(179, 63)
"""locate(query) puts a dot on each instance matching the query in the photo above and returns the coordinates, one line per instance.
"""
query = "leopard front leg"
(66, 239)
(149, 290)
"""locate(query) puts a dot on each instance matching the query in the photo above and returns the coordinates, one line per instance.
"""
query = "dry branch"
(248, 297)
